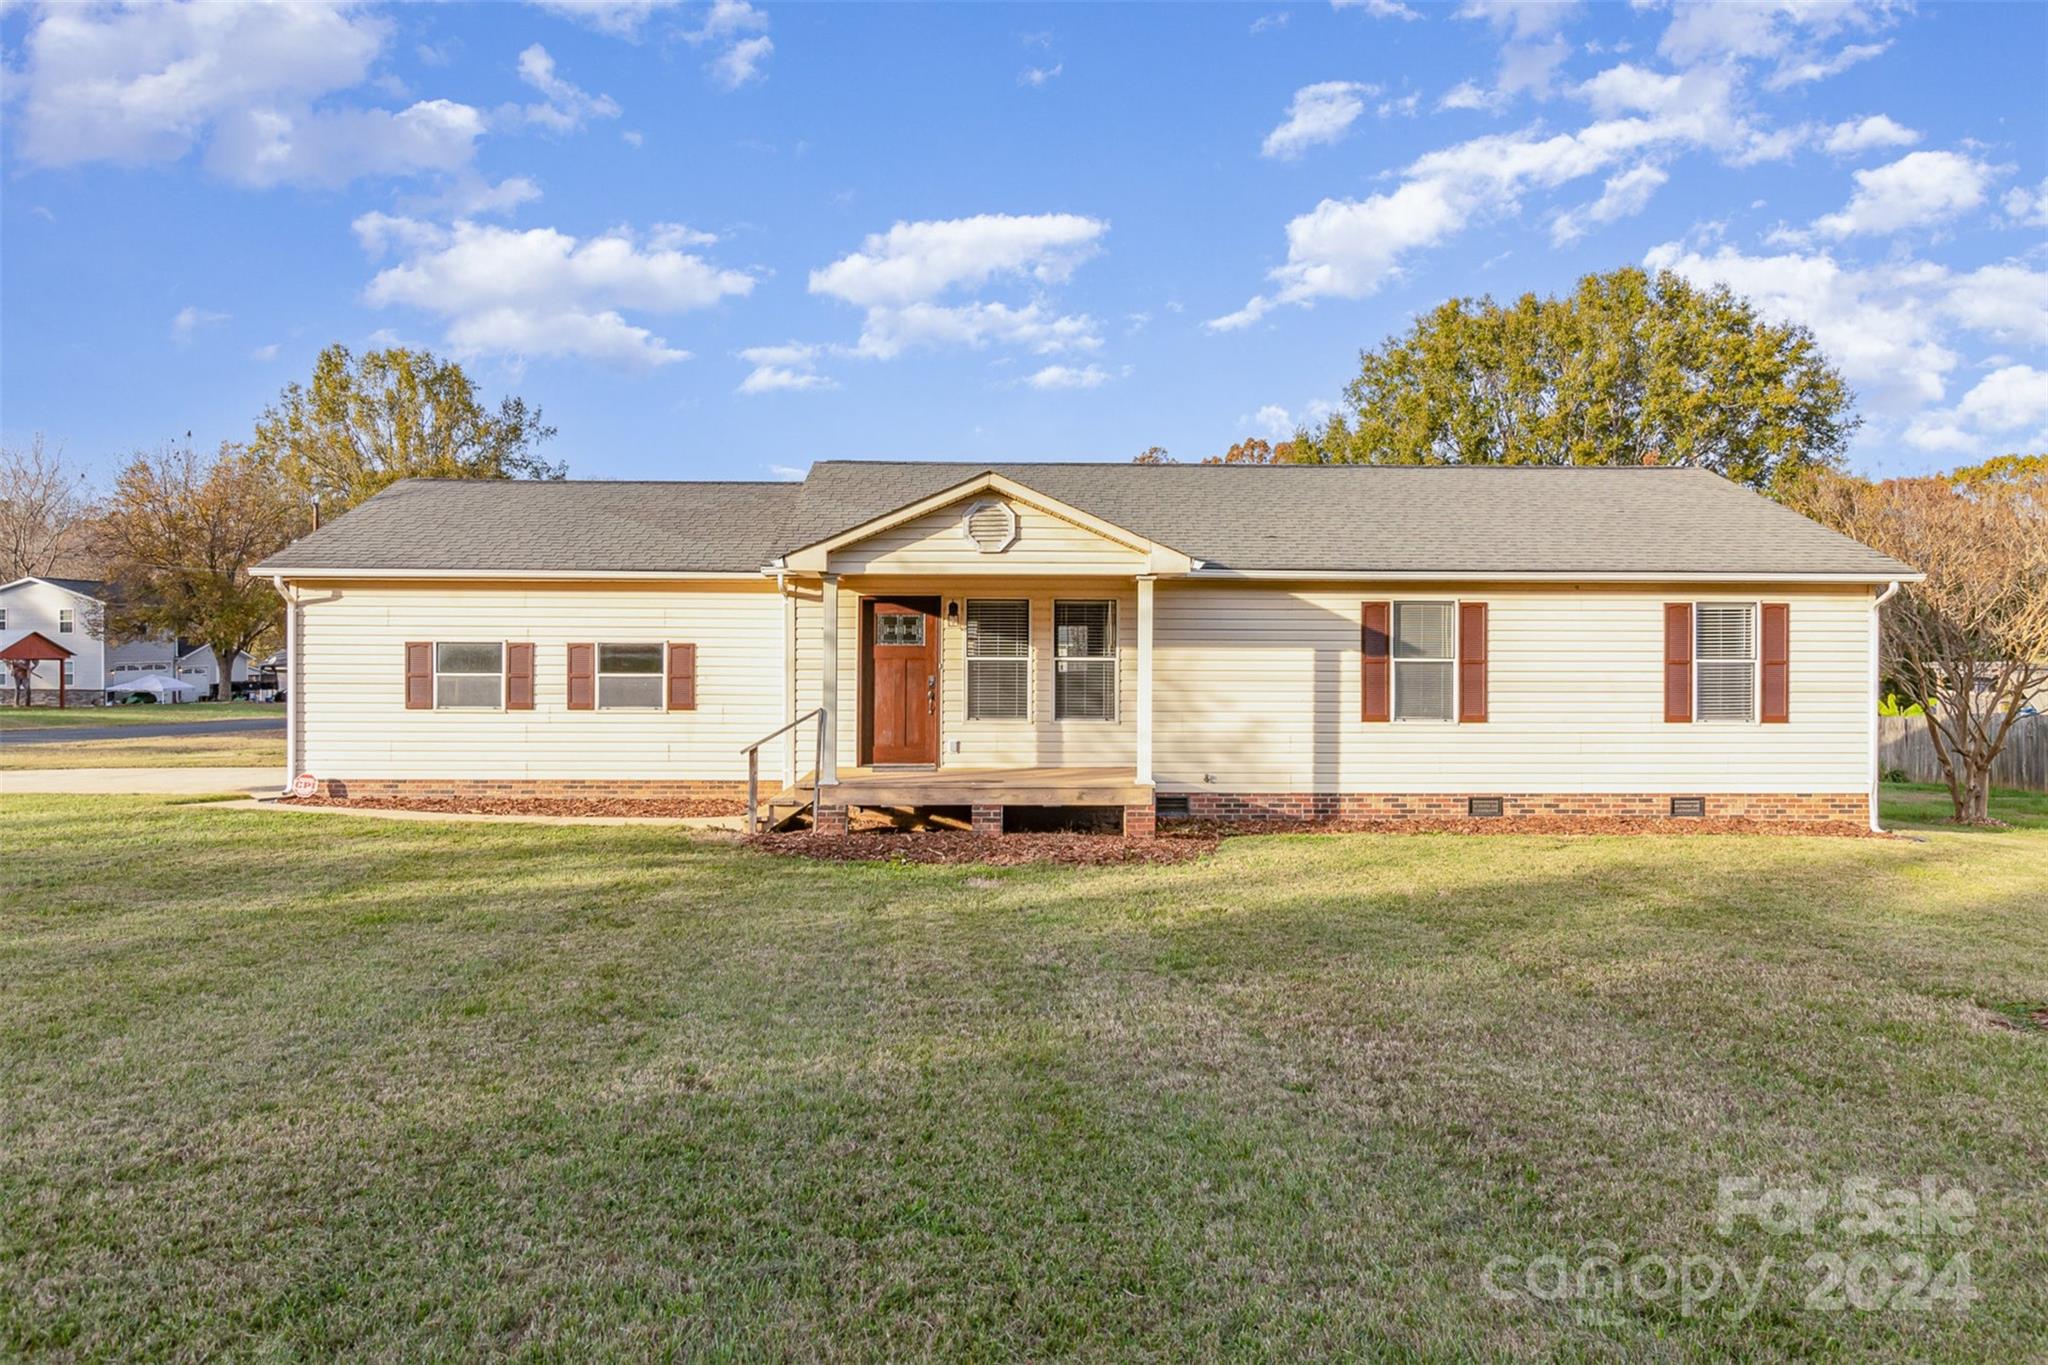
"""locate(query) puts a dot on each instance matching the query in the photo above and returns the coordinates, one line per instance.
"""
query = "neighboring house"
(1222, 640)
(67, 611)
(72, 612)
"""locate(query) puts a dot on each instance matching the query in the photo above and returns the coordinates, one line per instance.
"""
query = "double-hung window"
(1084, 660)
(64, 620)
(469, 676)
(629, 677)
(1724, 661)
(1425, 658)
(998, 660)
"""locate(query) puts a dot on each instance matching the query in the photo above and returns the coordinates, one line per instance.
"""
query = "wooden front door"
(900, 639)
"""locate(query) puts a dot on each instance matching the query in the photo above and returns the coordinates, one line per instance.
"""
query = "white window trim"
(1756, 659)
(1394, 715)
(967, 662)
(598, 675)
(474, 710)
(67, 620)
(1114, 637)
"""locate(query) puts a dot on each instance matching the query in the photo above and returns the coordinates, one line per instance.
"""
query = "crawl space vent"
(1483, 807)
(1688, 807)
(1172, 807)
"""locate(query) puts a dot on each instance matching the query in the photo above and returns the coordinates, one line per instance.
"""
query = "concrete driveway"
(59, 734)
(141, 781)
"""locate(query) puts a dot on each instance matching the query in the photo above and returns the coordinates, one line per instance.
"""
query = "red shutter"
(682, 677)
(1678, 662)
(1471, 662)
(582, 677)
(1777, 660)
(419, 676)
(1374, 661)
(519, 676)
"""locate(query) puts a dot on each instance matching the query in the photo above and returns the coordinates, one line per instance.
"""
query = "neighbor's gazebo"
(23, 654)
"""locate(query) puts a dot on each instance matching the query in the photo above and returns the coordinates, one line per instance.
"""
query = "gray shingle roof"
(1345, 518)
(492, 525)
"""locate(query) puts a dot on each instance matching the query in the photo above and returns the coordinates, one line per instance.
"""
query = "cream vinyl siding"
(1039, 741)
(356, 724)
(1257, 690)
(935, 544)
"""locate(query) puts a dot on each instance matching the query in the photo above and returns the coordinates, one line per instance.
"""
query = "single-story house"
(1297, 641)
(72, 611)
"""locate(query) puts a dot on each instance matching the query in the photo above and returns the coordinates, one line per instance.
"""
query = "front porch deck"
(867, 786)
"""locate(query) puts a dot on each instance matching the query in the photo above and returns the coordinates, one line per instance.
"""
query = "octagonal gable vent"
(991, 527)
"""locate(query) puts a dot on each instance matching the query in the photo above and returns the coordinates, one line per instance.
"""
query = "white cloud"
(1861, 135)
(1802, 71)
(265, 353)
(2008, 406)
(619, 18)
(1068, 377)
(1038, 77)
(742, 62)
(1467, 95)
(901, 276)
(567, 107)
(150, 84)
(1349, 248)
(2028, 208)
(1624, 196)
(1889, 327)
(1378, 9)
(1272, 419)
(189, 320)
(916, 261)
(1267, 22)
(474, 195)
(1920, 189)
(1318, 113)
(2007, 302)
(542, 292)
(785, 368)
(726, 26)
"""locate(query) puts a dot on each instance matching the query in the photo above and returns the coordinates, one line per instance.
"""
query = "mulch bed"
(682, 807)
(1182, 841)
(998, 850)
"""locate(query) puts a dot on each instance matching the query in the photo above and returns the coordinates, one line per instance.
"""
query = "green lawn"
(179, 713)
(295, 1086)
(154, 751)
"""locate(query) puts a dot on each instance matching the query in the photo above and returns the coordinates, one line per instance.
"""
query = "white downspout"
(295, 675)
(1877, 700)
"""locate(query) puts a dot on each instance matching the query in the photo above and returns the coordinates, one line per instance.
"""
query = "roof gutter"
(1525, 576)
(285, 572)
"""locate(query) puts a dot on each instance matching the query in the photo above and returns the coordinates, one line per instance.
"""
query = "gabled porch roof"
(817, 556)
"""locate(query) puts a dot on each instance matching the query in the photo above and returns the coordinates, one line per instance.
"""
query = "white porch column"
(1144, 773)
(828, 680)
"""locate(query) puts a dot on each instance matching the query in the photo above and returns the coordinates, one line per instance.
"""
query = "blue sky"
(725, 240)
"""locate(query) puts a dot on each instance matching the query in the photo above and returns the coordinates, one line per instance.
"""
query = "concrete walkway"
(65, 734)
(141, 781)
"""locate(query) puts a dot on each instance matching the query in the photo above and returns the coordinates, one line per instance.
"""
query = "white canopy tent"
(156, 684)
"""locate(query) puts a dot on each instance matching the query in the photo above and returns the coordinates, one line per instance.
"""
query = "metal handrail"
(753, 753)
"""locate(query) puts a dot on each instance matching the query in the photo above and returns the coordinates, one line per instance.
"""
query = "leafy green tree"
(1628, 369)
(395, 414)
(181, 532)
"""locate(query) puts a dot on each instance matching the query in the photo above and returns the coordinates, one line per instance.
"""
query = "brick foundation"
(831, 820)
(1812, 806)
(1140, 822)
(987, 819)
(544, 789)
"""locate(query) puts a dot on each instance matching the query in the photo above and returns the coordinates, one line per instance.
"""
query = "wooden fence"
(2023, 762)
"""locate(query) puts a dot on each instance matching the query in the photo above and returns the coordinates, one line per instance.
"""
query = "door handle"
(931, 694)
